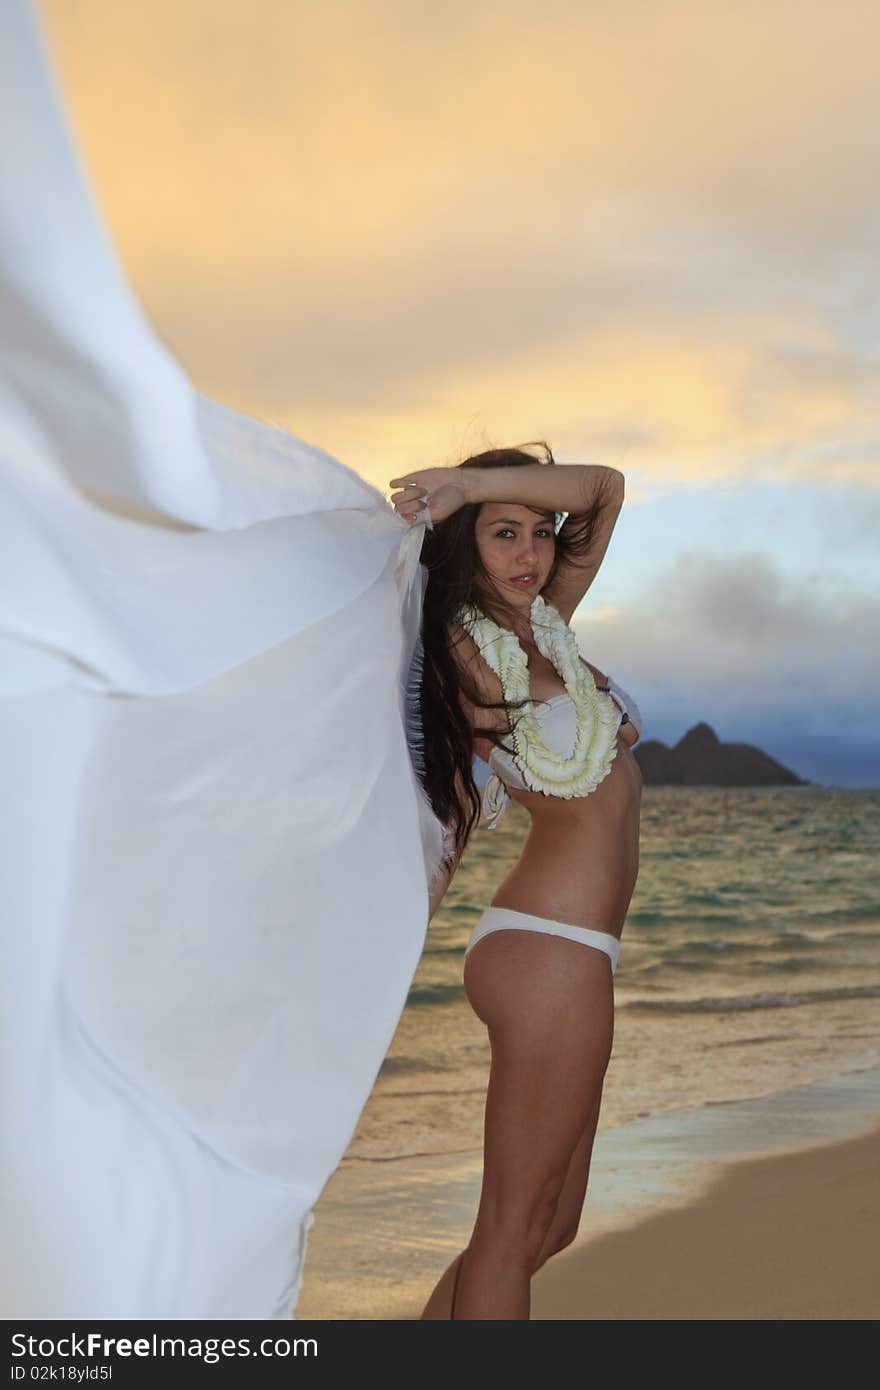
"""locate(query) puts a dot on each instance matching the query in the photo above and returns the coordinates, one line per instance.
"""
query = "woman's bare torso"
(580, 860)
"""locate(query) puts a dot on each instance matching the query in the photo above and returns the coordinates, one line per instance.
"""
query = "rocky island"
(700, 759)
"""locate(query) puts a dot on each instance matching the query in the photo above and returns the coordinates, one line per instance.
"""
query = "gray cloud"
(760, 656)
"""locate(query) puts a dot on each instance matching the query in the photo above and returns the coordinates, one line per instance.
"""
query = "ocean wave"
(453, 1090)
(404, 1154)
(399, 1066)
(748, 960)
(721, 1004)
(420, 995)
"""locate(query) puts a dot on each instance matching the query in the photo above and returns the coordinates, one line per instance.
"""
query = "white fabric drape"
(215, 853)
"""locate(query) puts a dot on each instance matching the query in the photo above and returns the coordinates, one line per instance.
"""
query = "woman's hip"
(496, 918)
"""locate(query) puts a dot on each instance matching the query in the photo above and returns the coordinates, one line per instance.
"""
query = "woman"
(502, 678)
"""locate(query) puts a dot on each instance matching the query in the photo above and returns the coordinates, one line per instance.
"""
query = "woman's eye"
(507, 532)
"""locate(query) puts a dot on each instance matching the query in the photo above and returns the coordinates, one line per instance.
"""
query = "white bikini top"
(558, 725)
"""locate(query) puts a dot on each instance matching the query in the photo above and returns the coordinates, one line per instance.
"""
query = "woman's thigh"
(548, 1004)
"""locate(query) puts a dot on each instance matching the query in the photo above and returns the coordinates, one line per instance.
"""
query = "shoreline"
(663, 1192)
(794, 1236)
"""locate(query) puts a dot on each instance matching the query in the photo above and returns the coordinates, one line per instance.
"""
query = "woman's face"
(517, 547)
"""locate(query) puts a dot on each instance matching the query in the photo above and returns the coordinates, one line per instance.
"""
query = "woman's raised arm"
(560, 487)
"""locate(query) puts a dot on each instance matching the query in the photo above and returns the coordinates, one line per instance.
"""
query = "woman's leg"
(563, 1228)
(566, 1218)
(439, 1305)
(548, 1005)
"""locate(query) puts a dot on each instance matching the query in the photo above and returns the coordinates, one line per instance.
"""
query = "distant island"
(700, 759)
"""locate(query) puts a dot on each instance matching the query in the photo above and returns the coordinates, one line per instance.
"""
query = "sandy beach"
(793, 1236)
(766, 1207)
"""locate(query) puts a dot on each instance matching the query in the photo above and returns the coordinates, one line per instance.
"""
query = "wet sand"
(796, 1235)
(767, 1207)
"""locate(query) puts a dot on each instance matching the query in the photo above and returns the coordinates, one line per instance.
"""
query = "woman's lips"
(524, 582)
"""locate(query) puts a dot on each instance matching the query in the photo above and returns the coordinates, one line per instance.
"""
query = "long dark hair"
(456, 576)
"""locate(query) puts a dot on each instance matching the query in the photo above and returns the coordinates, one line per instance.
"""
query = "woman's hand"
(429, 494)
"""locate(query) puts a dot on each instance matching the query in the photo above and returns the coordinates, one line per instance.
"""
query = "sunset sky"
(648, 233)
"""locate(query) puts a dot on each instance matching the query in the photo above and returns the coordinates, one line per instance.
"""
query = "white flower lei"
(596, 742)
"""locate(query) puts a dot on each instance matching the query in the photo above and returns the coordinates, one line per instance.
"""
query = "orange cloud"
(644, 233)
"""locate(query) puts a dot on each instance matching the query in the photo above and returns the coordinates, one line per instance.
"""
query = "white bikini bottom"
(508, 919)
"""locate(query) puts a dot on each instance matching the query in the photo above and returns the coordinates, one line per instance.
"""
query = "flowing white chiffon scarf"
(215, 852)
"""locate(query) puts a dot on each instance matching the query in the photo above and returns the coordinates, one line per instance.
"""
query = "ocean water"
(750, 964)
